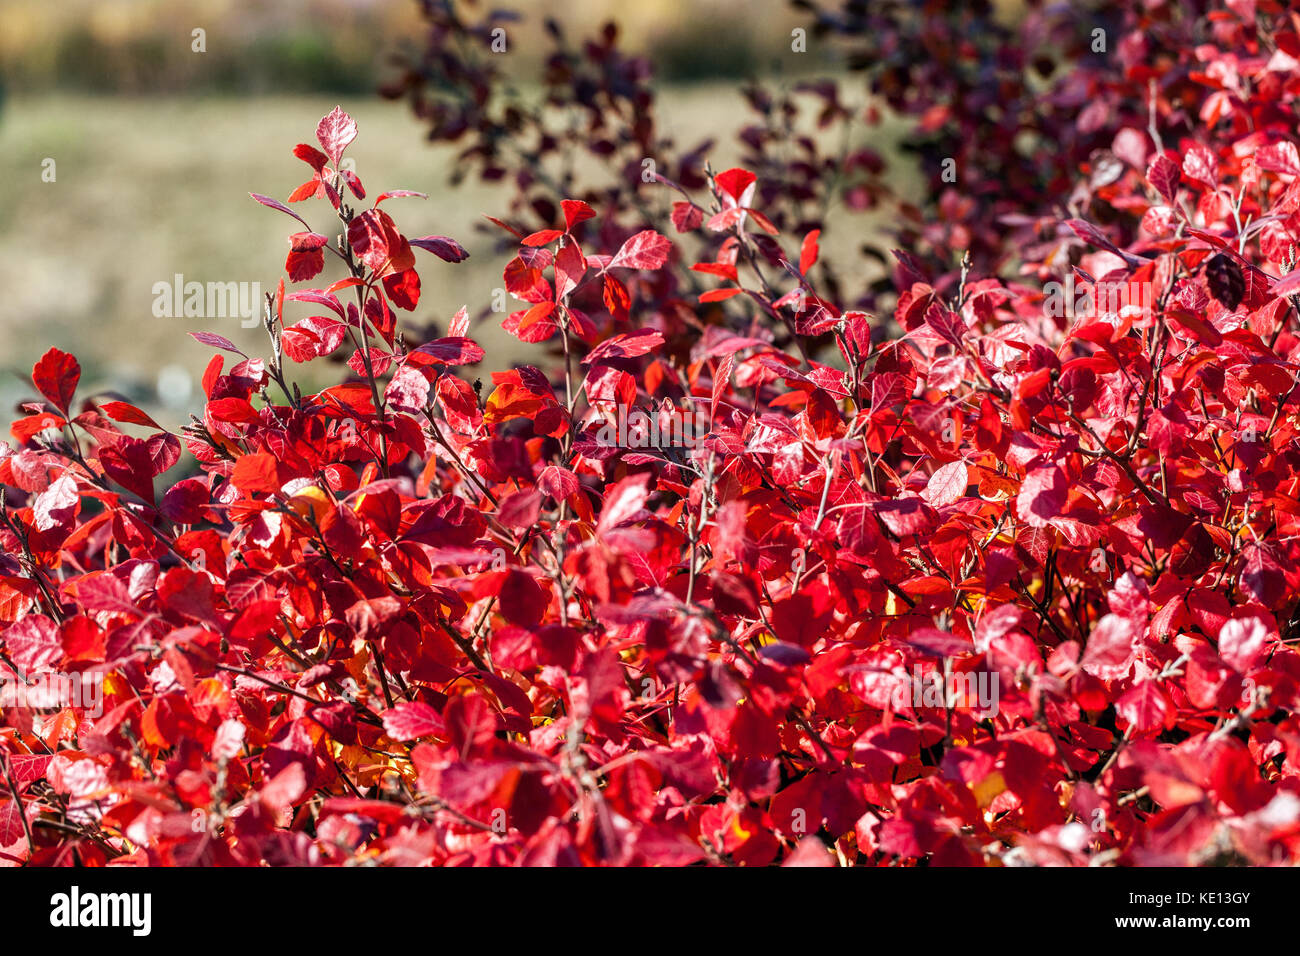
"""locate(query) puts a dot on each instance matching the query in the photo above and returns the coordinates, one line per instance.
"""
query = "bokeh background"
(156, 147)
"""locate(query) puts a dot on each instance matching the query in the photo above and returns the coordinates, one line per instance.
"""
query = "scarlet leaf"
(256, 474)
(575, 211)
(334, 132)
(645, 250)
(129, 462)
(453, 350)
(56, 375)
(375, 240)
(1042, 496)
(276, 204)
(947, 484)
(687, 216)
(808, 251)
(1144, 706)
(310, 155)
(57, 504)
(126, 412)
(411, 720)
(312, 338)
(625, 345)
(216, 341)
(1109, 653)
(557, 482)
(1163, 173)
(32, 643)
(735, 182)
(448, 250)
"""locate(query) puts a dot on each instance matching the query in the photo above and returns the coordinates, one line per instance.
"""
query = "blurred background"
(129, 143)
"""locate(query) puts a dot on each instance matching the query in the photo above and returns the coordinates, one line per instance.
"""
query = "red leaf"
(216, 341)
(622, 501)
(946, 323)
(13, 836)
(411, 720)
(808, 251)
(334, 132)
(1279, 158)
(312, 338)
(408, 390)
(570, 267)
(906, 516)
(625, 345)
(615, 296)
(276, 204)
(721, 381)
(1144, 706)
(1110, 647)
(449, 250)
(164, 451)
(126, 412)
(399, 194)
(302, 266)
(717, 295)
(452, 350)
(1091, 234)
(723, 270)
(645, 250)
(1200, 164)
(733, 594)
(557, 482)
(1163, 173)
(317, 297)
(946, 485)
(28, 768)
(687, 216)
(129, 463)
(56, 375)
(403, 289)
(523, 600)
(57, 504)
(542, 238)
(307, 241)
(510, 229)
(1243, 642)
(537, 314)
(256, 473)
(734, 182)
(526, 282)
(310, 155)
(354, 184)
(1287, 285)
(375, 240)
(459, 323)
(185, 501)
(311, 189)
(726, 219)
(1042, 496)
(33, 643)
(575, 211)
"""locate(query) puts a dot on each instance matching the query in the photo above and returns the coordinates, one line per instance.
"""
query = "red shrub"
(1015, 585)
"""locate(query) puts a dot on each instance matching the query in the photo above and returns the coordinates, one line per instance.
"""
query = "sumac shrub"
(728, 578)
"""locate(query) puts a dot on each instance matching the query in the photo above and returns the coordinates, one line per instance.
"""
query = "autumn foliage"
(420, 619)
